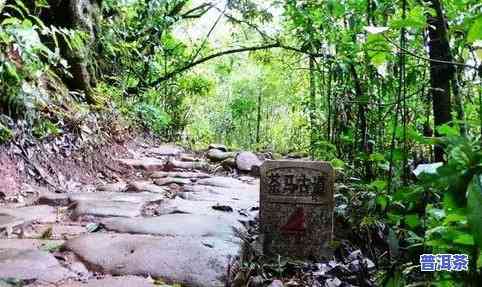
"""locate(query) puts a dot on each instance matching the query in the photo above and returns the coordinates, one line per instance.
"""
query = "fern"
(24, 58)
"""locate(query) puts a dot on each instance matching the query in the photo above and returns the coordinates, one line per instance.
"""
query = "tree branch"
(239, 21)
(176, 9)
(233, 51)
(208, 35)
(197, 12)
(212, 56)
(413, 54)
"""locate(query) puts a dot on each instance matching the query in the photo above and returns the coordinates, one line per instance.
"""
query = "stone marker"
(296, 208)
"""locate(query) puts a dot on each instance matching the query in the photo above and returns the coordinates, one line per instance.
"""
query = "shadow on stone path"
(179, 230)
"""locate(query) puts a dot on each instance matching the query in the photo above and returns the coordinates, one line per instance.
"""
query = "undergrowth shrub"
(24, 58)
(151, 117)
(143, 111)
(6, 134)
(44, 128)
(440, 212)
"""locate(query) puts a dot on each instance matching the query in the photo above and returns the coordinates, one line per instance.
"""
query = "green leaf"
(474, 206)
(455, 218)
(393, 218)
(412, 220)
(382, 200)
(377, 157)
(479, 260)
(464, 239)
(378, 185)
(5, 134)
(438, 230)
(447, 130)
(397, 154)
(21, 5)
(475, 31)
(39, 22)
(377, 48)
(437, 243)
(12, 70)
(414, 19)
(378, 59)
(337, 164)
(336, 8)
(10, 21)
(19, 11)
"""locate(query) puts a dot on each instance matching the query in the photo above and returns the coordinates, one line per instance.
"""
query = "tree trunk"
(328, 100)
(459, 101)
(312, 106)
(82, 15)
(258, 121)
(441, 74)
(363, 145)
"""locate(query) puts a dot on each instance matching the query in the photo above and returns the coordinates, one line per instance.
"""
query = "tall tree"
(441, 71)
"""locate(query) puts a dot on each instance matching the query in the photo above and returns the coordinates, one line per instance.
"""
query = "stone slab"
(172, 180)
(122, 281)
(9, 222)
(138, 197)
(105, 204)
(180, 260)
(296, 208)
(31, 264)
(64, 199)
(101, 208)
(147, 163)
(188, 157)
(178, 174)
(147, 186)
(113, 187)
(63, 231)
(37, 213)
(220, 181)
(28, 244)
(166, 150)
(53, 199)
(199, 199)
(174, 225)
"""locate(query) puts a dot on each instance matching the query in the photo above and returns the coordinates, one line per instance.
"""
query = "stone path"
(176, 226)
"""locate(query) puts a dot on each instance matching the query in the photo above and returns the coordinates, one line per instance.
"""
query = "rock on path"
(17, 219)
(165, 150)
(246, 160)
(31, 264)
(147, 163)
(174, 225)
(219, 155)
(191, 246)
(173, 259)
(220, 147)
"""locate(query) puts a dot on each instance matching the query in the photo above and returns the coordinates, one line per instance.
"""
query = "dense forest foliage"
(376, 87)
